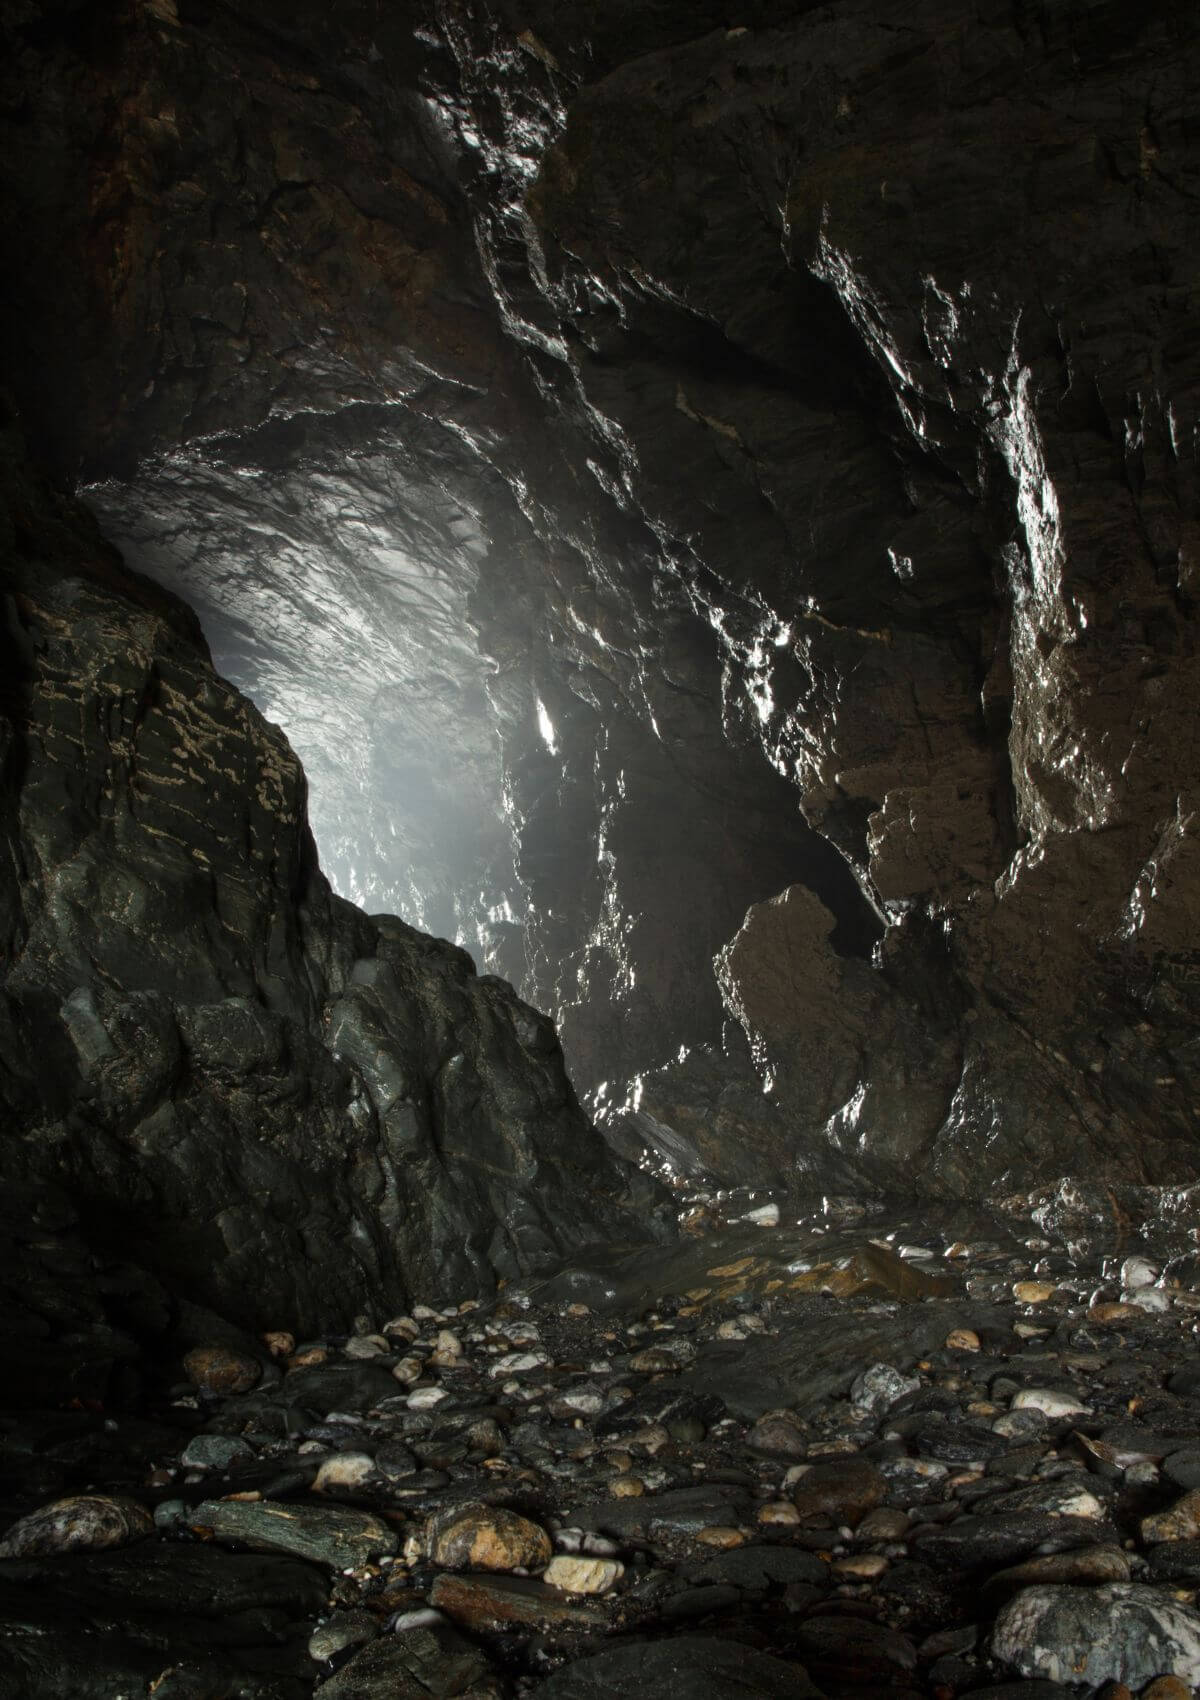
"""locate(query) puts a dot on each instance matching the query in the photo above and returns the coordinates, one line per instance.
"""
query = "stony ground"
(873, 1466)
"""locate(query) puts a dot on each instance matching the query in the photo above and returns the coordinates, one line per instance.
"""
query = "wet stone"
(1104, 1563)
(704, 1601)
(577, 1575)
(422, 1663)
(1178, 1522)
(489, 1603)
(343, 1629)
(219, 1369)
(880, 1387)
(778, 1434)
(215, 1452)
(680, 1510)
(843, 1489)
(1126, 1632)
(974, 1543)
(339, 1538)
(81, 1522)
(681, 1668)
(482, 1537)
(1182, 1469)
(338, 1387)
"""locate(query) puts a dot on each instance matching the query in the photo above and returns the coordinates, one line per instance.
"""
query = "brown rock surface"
(484, 1537)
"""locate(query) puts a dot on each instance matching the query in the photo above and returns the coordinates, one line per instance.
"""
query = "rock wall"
(802, 408)
(218, 1072)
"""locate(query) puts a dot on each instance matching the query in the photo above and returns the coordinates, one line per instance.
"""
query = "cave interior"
(600, 902)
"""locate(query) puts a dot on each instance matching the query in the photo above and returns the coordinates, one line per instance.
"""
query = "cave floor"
(845, 1455)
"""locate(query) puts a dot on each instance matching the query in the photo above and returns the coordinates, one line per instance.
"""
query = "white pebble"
(1138, 1272)
(422, 1398)
(1049, 1403)
(344, 1470)
(424, 1618)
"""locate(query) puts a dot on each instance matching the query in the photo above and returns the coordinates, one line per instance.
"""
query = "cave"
(600, 918)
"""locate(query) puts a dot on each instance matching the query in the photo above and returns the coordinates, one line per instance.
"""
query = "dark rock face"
(283, 1109)
(801, 417)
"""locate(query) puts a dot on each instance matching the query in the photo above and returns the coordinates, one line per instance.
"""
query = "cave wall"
(277, 1109)
(801, 406)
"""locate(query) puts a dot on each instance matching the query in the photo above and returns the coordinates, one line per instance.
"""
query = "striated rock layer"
(798, 411)
(279, 1108)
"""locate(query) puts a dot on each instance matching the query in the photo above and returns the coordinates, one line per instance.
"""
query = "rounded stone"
(83, 1522)
(215, 1452)
(1123, 1632)
(486, 1537)
(344, 1471)
(583, 1575)
(219, 1369)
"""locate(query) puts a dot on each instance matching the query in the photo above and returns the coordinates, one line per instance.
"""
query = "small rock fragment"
(880, 1387)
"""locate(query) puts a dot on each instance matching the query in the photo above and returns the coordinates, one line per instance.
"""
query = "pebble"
(1179, 1522)
(860, 1567)
(880, 1387)
(627, 1487)
(82, 1522)
(517, 1363)
(779, 1511)
(721, 1537)
(1112, 1315)
(215, 1452)
(1138, 1272)
(341, 1630)
(844, 1490)
(583, 1575)
(425, 1398)
(482, 1537)
(1050, 1403)
(778, 1433)
(346, 1470)
(219, 1369)
(1033, 1292)
(962, 1340)
(363, 1346)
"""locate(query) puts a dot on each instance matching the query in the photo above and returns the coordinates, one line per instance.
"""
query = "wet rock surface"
(927, 1531)
(729, 486)
(224, 1089)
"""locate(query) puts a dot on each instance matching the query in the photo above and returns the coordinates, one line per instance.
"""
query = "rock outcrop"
(273, 1106)
(793, 415)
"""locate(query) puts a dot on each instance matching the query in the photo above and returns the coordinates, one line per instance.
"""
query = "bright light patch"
(546, 727)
